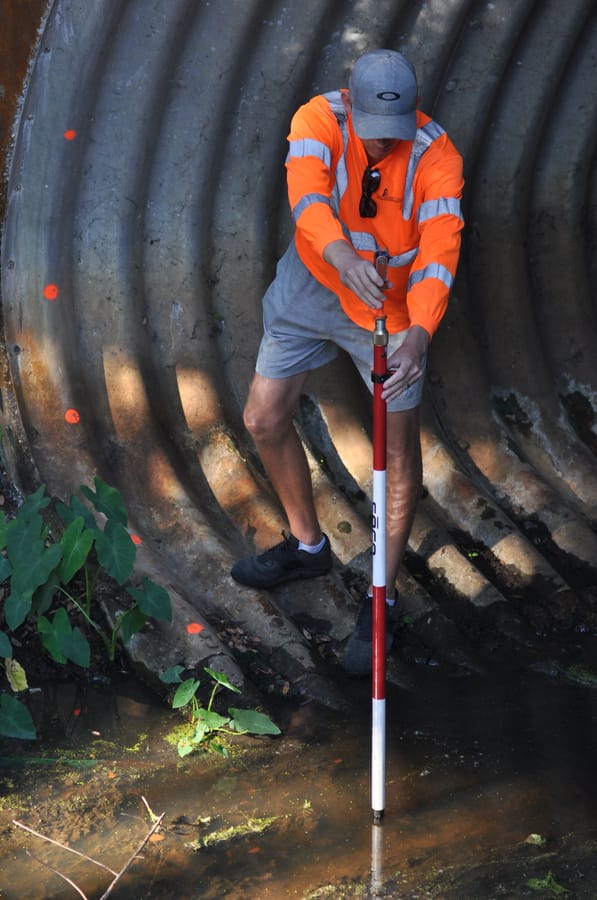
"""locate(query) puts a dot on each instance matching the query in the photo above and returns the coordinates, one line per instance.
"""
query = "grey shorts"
(304, 324)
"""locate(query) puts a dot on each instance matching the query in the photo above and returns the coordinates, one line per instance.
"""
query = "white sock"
(312, 548)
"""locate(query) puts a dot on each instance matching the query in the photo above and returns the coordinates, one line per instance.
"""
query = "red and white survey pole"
(378, 686)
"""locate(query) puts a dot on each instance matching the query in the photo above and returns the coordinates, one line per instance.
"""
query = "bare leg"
(268, 418)
(404, 481)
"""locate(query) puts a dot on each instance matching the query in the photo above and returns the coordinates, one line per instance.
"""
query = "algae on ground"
(581, 675)
(548, 884)
(224, 835)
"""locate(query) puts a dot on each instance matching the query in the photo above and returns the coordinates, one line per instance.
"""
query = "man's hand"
(356, 273)
(407, 362)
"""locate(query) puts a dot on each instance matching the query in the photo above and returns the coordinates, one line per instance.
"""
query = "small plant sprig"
(205, 723)
(36, 572)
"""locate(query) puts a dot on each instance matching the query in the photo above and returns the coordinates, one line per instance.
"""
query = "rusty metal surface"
(145, 210)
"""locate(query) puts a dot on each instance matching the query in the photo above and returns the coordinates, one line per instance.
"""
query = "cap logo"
(388, 95)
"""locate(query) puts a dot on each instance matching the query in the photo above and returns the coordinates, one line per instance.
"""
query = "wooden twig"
(130, 861)
(63, 846)
(74, 886)
(152, 815)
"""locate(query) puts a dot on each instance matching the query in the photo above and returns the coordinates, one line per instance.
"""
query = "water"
(490, 793)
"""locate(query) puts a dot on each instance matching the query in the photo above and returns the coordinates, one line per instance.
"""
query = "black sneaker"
(357, 653)
(284, 562)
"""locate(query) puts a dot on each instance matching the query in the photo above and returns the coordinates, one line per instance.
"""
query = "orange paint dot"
(136, 539)
(195, 628)
(72, 416)
(51, 291)
(70, 134)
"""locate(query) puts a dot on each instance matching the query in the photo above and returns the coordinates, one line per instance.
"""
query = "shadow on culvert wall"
(143, 211)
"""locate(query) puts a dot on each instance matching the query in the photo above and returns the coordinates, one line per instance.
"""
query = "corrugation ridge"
(434, 30)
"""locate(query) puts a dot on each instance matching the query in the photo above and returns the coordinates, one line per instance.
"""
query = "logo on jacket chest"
(385, 194)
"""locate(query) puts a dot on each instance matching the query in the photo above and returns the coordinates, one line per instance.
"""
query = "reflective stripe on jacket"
(418, 218)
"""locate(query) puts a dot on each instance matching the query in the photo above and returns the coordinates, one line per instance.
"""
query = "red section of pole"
(379, 404)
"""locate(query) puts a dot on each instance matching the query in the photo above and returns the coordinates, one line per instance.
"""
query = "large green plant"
(51, 582)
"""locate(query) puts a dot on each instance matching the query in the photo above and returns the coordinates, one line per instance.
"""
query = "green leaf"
(171, 675)
(49, 640)
(26, 533)
(130, 623)
(60, 623)
(115, 551)
(3, 528)
(5, 568)
(76, 543)
(106, 500)
(43, 596)
(212, 720)
(185, 746)
(153, 600)
(63, 641)
(71, 641)
(77, 649)
(24, 542)
(33, 504)
(16, 609)
(27, 578)
(77, 509)
(252, 721)
(15, 719)
(201, 732)
(222, 679)
(5, 645)
(185, 693)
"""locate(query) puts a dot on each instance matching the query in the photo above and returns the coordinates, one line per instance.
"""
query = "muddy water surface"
(491, 792)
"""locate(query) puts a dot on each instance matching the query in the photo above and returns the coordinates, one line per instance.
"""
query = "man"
(366, 172)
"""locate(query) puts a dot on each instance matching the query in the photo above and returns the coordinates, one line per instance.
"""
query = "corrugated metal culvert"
(144, 214)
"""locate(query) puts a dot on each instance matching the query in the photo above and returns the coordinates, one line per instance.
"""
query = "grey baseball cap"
(383, 91)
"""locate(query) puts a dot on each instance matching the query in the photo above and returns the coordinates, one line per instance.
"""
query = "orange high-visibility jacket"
(418, 217)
